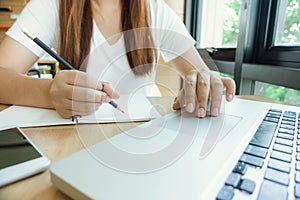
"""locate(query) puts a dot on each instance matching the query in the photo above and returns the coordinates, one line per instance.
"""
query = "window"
(278, 40)
(272, 42)
(279, 93)
(231, 23)
(220, 23)
(288, 24)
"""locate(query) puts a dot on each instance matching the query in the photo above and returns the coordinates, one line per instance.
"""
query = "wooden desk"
(59, 141)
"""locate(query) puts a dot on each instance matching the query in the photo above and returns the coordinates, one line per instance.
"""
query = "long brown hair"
(76, 28)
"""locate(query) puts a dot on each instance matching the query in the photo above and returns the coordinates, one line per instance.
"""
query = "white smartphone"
(19, 157)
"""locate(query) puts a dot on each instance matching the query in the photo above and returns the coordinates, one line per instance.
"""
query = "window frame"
(255, 51)
(264, 50)
(267, 52)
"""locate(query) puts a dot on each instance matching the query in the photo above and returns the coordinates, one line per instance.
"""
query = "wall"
(177, 6)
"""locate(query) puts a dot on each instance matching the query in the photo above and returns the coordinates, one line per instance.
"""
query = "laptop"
(250, 151)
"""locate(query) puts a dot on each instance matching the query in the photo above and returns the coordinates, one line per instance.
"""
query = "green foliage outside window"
(231, 22)
(291, 32)
(291, 35)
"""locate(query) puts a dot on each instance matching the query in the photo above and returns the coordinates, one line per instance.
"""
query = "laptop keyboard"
(275, 149)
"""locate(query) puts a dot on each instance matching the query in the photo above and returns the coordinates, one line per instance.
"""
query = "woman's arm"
(200, 84)
(16, 88)
(70, 92)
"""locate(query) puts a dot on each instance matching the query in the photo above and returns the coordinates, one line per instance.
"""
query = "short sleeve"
(169, 32)
(40, 18)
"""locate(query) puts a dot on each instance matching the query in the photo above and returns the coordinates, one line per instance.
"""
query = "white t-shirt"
(107, 62)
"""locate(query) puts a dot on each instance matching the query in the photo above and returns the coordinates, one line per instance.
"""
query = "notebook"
(136, 107)
(248, 152)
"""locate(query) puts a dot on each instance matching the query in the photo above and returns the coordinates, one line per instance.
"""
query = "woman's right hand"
(74, 93)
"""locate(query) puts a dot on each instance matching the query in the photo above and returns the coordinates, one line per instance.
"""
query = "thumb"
(178, 101)
(230, 86)
(176, 104)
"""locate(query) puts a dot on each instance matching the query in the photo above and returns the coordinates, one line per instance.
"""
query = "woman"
(75, 29)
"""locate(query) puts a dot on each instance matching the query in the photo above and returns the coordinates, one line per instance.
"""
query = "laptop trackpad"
(215, 126)
(159, 143)
(208, 131)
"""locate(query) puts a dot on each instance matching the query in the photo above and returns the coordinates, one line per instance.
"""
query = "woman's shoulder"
(40, 18)
(43, 11)
(48, 5)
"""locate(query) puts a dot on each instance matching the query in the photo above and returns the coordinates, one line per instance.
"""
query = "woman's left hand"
(199, 87)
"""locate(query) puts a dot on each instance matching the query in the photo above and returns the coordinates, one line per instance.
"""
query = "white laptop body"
(174, 157)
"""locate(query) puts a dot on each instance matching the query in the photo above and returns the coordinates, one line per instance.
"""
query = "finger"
(68, 113)
(89, 95)
(230, 86)
(202, 89)
(78, 108)
(71, 113)
(179, 101)
(190, 91)
(78, 78)
(107, 88)
(84, 108)
(176, 105)
(216, 94)
(65, 113)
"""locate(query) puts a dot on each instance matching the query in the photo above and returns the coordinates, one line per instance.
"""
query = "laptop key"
(226, 193)
(270, 191)
(289, 119)
(240, 168)
(256, 151)
(298, 156)
(284, 142)
(277, 176)
(248, 186)
(281, 156)
(297, 177)
(290, 114)
(286, 131)
(298, 165)
(279, 165)
(233, 180)
(288, 127)
(264, 134)
(297, 190)
(285, 136)
(271, 119)
(288, 123)
(252, 160)
(274, 115)
(275, 110)
(282, 148)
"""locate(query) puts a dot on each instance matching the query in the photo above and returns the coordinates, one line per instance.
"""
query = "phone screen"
(15, 148)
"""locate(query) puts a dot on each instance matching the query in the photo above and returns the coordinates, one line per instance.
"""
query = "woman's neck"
(107, 15)
(104, 4)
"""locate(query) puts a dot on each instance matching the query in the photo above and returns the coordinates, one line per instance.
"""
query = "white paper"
(137, 108)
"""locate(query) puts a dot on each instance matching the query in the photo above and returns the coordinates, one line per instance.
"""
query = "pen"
(60, 60)
(49, 51)
(116, 106)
